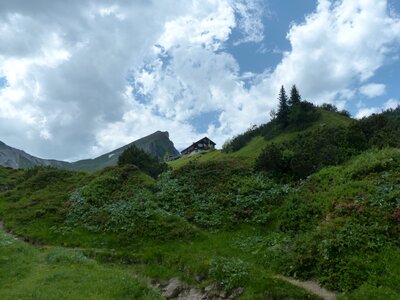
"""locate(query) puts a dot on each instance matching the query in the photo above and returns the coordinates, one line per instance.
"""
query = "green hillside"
(253, 149)
(216, 220)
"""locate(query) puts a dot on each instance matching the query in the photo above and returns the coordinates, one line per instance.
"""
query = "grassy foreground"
(28, 272)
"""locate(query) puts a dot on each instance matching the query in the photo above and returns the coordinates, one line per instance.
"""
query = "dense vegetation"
(144, 161)
(294, 115)
(322, 202)
(324, 146)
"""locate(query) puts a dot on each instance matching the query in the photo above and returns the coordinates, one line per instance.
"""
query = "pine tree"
(283, 109)
(295, 97)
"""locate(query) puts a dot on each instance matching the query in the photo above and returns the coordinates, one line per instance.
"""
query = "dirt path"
(310, 286)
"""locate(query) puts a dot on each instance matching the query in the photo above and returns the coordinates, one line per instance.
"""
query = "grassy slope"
(37, 203)
(39, 216)
(345, 227)
(27, 272)
(252, 150)
(341, 226)
(342, 213)
(369, 181)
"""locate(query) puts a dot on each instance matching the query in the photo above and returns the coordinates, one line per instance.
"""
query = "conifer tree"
(295, 97)
(283, 109)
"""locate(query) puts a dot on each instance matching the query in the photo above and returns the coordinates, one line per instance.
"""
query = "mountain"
(15, 158)
(157, 144)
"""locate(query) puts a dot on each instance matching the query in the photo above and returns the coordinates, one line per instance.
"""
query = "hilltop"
(257, 141)
(156, 144)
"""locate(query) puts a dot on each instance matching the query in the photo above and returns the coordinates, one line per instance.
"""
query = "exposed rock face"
(174, 289)
(156, 144)
(15, 158)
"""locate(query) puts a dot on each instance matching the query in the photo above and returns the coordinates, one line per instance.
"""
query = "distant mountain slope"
(157, 144)
(15, 158)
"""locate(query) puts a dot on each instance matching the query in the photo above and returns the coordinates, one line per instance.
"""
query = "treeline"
(294, 114)
(310, 151)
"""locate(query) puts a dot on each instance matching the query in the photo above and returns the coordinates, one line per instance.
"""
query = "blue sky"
(279, 15)
(78, 80)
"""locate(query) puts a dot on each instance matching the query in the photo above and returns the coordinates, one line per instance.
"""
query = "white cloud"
(67, 65)
(366, 111)
(343, 43)
(208, 23)
(66, 68)
(85, 76)
(250, 23)
(373, 90)
(391, 104)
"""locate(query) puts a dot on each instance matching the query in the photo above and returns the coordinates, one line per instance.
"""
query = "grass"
(27, 272)
(212, 155)
(40, 213)
(339, 226)
(193, 259)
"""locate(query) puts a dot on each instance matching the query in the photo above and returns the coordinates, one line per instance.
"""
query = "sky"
(81, 78)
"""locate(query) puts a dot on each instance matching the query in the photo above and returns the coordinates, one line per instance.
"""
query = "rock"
(193, 294)
(209, 288)
(236, 293)
(223, 294)
(173, 289)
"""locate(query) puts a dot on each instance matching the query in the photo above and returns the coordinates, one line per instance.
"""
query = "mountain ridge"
(156, 144)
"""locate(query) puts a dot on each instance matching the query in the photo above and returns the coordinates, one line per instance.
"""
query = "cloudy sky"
(80, 78)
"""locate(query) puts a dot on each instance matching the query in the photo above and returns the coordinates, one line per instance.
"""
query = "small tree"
(283, 109)
(295, 97)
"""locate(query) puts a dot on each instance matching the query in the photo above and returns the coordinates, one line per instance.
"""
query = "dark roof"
(199, 141)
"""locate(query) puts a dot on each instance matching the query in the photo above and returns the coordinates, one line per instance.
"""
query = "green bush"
(229, 273)
(342, 222)
(214, 196)
(148, 164)
(306, 153)
(133, 217)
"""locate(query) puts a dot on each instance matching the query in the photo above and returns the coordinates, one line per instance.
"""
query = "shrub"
(230, 273)
(302, 115)
(142, 160)
(305, 154)
(133, 217)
